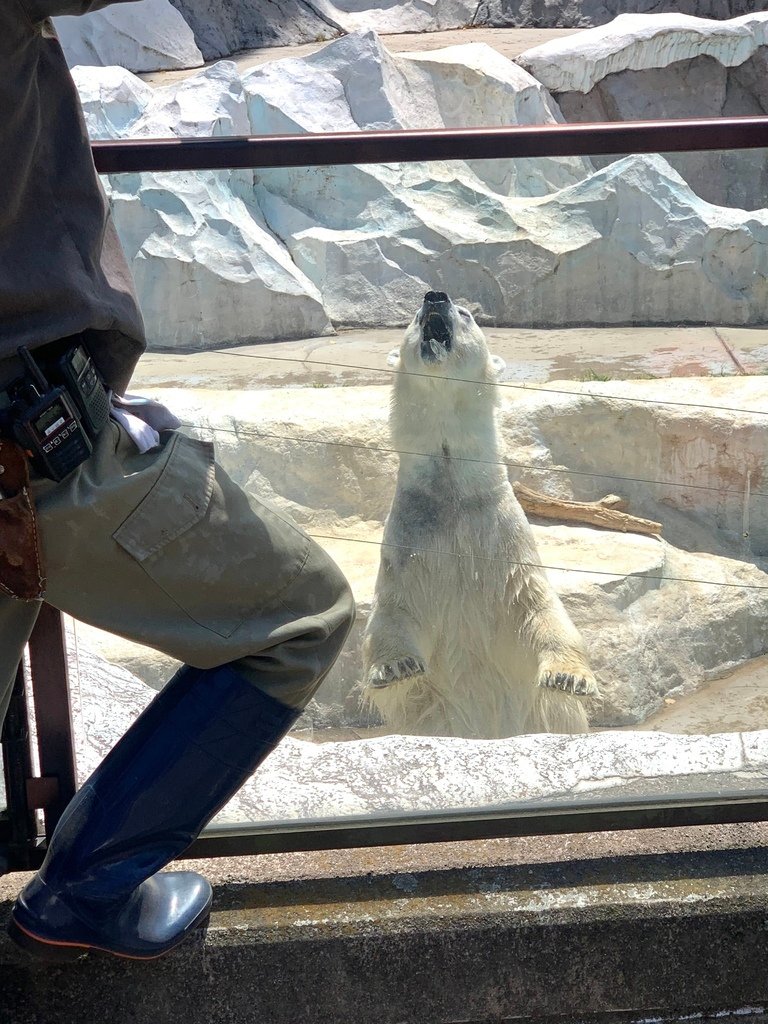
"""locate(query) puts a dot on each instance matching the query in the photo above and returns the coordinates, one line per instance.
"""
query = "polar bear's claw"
(393, 671)
(570, 682)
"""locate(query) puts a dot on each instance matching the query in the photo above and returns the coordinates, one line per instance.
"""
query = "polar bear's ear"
(498, 366)
(393, 359)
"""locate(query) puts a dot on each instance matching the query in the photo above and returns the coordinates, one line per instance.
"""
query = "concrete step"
(599, 928)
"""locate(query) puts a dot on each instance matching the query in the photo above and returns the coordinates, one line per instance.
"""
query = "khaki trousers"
(164, 549)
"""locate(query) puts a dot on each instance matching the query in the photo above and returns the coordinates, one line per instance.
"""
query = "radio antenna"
(37, 374)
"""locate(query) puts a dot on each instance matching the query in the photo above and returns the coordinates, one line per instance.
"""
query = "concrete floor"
(532, 356)
(736, 703)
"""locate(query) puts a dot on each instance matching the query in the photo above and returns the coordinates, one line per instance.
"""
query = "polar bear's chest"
(449, 551)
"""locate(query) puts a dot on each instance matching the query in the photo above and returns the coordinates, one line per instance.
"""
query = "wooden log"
(607, 513)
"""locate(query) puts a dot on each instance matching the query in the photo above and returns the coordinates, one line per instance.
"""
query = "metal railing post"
(17, 769)
(53, 717)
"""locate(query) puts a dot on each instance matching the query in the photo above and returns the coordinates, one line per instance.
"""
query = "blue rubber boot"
(173, 770)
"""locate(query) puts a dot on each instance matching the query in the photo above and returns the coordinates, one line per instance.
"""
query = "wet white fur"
(466, 635)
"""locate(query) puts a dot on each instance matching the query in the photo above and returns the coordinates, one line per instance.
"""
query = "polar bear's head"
(443, 340)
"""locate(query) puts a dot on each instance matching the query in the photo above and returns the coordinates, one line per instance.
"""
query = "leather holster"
(21, 566)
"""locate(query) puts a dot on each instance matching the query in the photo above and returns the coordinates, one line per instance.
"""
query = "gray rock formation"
(222, 27)
(148, 37)
(587, 13)
(231, 257)
(641, 68)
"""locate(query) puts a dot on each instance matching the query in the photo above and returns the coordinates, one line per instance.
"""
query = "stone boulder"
(224, 28)
(113, 100)
(411, 16)
(630, 243)
(448, 224)
(202, 240)
(151, 36)
(199, 238)
(357, 84)
(231, 280)
(587, 13)
(132, 38)
(643, 67)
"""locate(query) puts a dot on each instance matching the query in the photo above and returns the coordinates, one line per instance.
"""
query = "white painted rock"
(529, 242)
(222, 29)
(355, 83)
(669, 66)
(394, 773)
(151, 36)
(397, 773)
(113, 100)
(229, 278)
(491, 236)
(639, 42)
(407, 16)
(630, 243)
(208, 270)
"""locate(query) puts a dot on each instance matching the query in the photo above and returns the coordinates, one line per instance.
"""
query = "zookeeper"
(131, 527)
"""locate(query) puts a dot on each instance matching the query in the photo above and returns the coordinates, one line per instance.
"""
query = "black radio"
(76, 371)
(55, 423)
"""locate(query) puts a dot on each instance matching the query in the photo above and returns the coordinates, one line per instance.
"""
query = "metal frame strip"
(19, 834)
(53, 716)
(521, 819)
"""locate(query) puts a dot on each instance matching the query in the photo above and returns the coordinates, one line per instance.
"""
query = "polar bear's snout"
(444, 341)
(436, 320)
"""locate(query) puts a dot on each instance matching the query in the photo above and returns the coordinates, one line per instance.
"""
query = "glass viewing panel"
(523, 406)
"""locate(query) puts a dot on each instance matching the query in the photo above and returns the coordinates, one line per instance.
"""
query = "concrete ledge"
(485, 932)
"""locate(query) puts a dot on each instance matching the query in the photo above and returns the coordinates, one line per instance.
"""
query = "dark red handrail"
(315, 150)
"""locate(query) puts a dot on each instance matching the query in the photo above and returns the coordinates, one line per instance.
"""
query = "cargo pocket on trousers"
(220, 554)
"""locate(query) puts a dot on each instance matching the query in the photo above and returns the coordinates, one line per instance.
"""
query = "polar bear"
(466, 636)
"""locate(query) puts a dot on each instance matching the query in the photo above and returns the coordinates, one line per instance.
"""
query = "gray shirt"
(62, 270)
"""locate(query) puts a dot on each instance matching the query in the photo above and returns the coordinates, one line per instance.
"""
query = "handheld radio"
(78, 373)
(46, 423)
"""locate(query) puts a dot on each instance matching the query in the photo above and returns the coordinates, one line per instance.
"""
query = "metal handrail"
(518, 141)
(49, 682)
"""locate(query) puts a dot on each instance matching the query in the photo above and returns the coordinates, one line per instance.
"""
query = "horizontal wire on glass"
(539, 565)
(457, 554)
(260, 435)
(520, 386)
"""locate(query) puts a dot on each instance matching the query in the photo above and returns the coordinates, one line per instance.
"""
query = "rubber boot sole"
(56, 951)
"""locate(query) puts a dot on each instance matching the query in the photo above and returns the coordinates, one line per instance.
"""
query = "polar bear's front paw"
(391, 672)
(575, 679)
